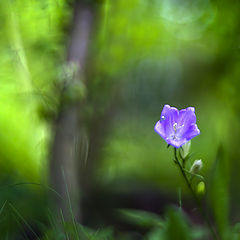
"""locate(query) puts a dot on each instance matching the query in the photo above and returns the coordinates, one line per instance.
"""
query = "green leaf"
(141, 218)
(219, 193)
(177, 227)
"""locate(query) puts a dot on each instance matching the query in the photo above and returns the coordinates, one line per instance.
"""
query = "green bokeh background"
(182, 53)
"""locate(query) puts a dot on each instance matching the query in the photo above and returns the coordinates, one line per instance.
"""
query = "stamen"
(175, 127)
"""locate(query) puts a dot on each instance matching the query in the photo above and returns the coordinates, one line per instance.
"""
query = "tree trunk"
(64, 167)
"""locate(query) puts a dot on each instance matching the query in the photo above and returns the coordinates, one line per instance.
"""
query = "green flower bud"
(196, 167)
(185, 150)
(201, 188)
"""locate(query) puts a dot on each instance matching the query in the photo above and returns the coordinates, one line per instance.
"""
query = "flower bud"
(196, 167)
(201, 188)
(186, 149)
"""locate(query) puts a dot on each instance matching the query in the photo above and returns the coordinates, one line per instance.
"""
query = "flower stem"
(198, 202)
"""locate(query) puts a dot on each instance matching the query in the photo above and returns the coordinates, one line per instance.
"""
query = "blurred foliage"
(174, 226)
(32, 46)
(143, 55)
(32, 39)
(219, 192)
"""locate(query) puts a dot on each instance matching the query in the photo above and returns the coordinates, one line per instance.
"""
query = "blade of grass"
(23, 220)
(70, 206)
(3, 207)
(63, 223)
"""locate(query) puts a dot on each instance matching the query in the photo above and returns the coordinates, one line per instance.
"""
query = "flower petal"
(186, 118)
(177, 143)
(169, 116)
(192, 132)
(159, 128)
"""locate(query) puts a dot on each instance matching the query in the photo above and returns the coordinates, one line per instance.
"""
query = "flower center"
(176, 129)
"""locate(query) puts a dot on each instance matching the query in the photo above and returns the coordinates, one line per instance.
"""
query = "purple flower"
(177, 127)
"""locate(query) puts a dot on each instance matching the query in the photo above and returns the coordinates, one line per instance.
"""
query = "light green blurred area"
(30, 46)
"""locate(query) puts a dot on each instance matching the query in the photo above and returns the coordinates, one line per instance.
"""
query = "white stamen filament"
(175, 127)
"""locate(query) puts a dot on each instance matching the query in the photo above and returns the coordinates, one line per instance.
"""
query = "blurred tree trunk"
(65, 155)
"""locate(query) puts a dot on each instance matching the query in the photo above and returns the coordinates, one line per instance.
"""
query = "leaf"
(177, 227)
(219, 193)
(141, 218)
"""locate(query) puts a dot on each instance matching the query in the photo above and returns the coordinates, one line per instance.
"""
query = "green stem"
(193, 174)
(201, 209)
